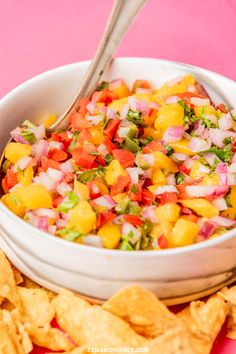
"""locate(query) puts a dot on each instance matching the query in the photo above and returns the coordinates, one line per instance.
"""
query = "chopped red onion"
(196, 101)
(40, 149)
(221, 168)
(217, 136)
(38, 131)
(52, 229)
(44, 179)
(173, 133)
(228, 179)
(124, 111)
(191, 88)
(128, 228)
(66, 167)
(149, 213)
(93, 240)
(198, 144)
(189, 163)
(63, 188)
(154, 105)
(123, 131)
(171, 179)
(105, 201)
(225, 122)
(138, 105)
(60, 223)
(56, 175)
(163, 189)
(232, 168)
(55, 145)
(207, 229)
(205, 191)
(220, 204)
(102, 149)
(16, 135)
(222, 221)
(134, 173)
(22, 164)
(179, 157)
(210, 158)
(95, 120)
(172, 99)
(42, 223)
(91, 107)
(199, 128)
(149, 158)
(111, 113)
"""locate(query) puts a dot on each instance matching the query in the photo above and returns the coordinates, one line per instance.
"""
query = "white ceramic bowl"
(175, 275)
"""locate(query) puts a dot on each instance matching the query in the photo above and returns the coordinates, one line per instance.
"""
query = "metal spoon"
(122, 15)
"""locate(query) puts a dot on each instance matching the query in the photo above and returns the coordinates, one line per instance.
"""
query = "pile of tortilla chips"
(133, 318)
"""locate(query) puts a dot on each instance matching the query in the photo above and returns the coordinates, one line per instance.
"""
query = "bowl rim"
(111, 252)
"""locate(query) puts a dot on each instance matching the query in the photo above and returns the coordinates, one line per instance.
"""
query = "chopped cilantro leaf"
(69, 234)
(87, 176)
(29, 136)
(228, 140)
(108, 158)
(179, 178)
(126, 246)
(127, 207)
(73, 142)
(94, 153)
(131, 145)
(103, 86)
(189, 116)
(135, 117)
(223, 154)
(228, 201)
(170, 150)
(70, 202)
(134, 189)
(145, 142)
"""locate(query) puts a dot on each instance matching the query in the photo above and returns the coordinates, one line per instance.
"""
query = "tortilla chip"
(7, 282)
(87, 324)
(231, 323)
(228, 294)
(48, 337)
(6, 344)
(17, 275)
(176, 340)
(146, 314)
(204, 321)
(36, 307)
(16, 331)
(30, 284)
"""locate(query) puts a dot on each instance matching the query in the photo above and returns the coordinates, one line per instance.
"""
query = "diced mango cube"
(158, 177)
(168, 212)
(82, 218)
(25, 177)
(165, 229)
(201, 206)
(81, 189)
(154, 133)
(34, 196)
(184, 233)
(117, 105)
(179, 87)
(96, 135)
(110, 234)
(164, 162)
(15, 151)
(50, 120)
(203, 110)
(113, 171)
(169, 115)
(181, 147)
(120, 88)
(14, 204)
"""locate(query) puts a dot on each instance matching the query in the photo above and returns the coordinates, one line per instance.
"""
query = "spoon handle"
(122, 15)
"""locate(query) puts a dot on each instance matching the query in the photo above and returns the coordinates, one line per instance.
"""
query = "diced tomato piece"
(186, 96)
(104, 96)
(9, 180)
(101, 160)
(104, 218)
(137, 195)
(56, 201)
(83, 158)
(147, 196)
(222, 107)
(191, 217)
(46, 163)
(58, 155)
(163, 242)
(140, 84)
(82, 105)
(64, 137)
(94, 190)
(109, 144)
(69, 177)
(184, 169)
(55, 137)
(168, 197)
(125, 157)
(153, 146)
(112, 128)
(133, 219)
(119, 186)
(78, 122)
(84, 137)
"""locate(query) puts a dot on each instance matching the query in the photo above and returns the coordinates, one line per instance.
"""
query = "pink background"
(39, 35)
